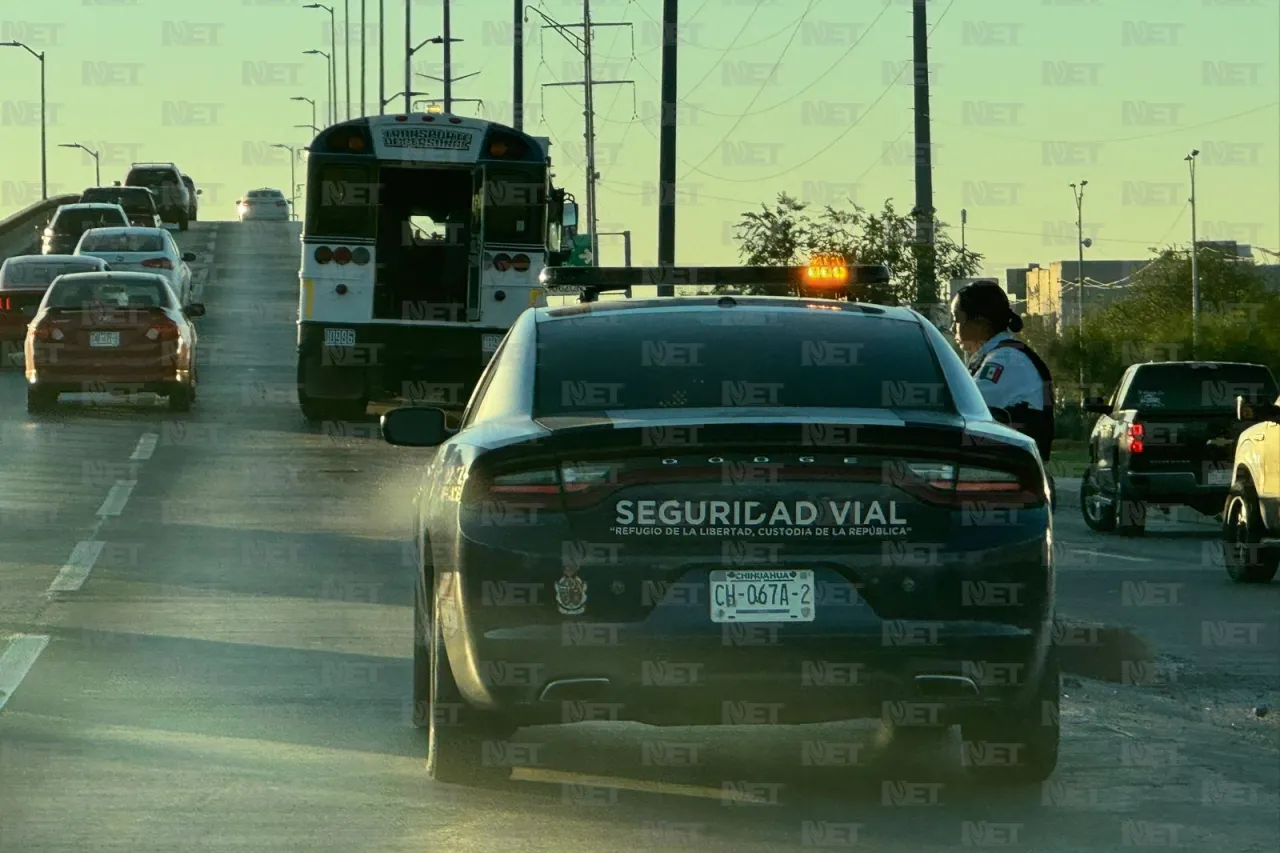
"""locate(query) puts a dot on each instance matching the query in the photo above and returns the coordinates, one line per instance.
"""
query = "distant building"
(1015, 281)
(1051, 289)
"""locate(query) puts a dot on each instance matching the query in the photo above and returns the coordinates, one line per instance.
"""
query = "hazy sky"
(777, 96)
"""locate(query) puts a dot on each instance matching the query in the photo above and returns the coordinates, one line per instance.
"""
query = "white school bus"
(424, 236)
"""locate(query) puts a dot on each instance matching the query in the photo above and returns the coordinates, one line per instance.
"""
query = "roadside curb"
(1095, 650)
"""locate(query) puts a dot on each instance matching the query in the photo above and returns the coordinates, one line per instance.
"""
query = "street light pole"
(1078, 191)
(362, 58)
(382, 57)
(44, 125)
(97, 162)
(346, 48)
(313, 107)
(333, 118)
(1195, 267)
(293, 178)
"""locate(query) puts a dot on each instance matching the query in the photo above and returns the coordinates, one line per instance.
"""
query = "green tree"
(789, 234)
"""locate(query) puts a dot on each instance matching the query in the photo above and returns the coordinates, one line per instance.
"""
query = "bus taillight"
(342, 255)
(323, 255)
(360, 256)
(502, 262)
(520, 263)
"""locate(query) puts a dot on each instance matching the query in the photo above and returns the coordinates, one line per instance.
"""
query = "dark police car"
(730, 510)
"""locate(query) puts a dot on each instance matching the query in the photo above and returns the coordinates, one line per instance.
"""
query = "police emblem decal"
(571, 594)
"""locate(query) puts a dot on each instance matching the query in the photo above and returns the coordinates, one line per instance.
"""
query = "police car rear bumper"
(436, 365)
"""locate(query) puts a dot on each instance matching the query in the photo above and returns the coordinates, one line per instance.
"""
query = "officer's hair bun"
(1015, 322)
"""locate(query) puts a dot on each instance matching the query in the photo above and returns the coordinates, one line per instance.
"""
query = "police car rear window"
(734, 358)
(1192, 388)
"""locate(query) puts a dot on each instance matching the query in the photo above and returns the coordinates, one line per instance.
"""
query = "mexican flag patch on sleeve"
(991, 372)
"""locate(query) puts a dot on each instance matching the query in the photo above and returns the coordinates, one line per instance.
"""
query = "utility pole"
(517, 42)
(363, 75)
(926, 272)
(1078, 191)
(583, 45)
(382, 57)
(408, 56)
(667, 145)
(1195, 267)
(346, 50)
(964, 220)
(445, 39)
(445, 33)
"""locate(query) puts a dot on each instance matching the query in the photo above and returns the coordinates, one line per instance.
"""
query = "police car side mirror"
(1002, 415)
(415, 426)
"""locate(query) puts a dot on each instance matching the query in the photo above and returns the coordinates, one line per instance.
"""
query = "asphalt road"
(205, 622)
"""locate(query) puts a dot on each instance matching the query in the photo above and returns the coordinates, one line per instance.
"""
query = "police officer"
(1010, 375)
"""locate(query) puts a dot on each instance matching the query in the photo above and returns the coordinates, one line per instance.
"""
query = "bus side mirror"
(570, 219)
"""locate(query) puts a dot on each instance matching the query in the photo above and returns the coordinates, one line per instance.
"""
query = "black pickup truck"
(1166, 437)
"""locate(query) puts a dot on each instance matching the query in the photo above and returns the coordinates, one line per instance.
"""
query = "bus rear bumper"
(436, 365)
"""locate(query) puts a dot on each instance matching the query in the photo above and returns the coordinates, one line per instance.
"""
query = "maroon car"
(122, 332)
(23, 282)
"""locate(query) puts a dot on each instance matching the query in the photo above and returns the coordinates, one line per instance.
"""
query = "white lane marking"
(117, 497)
(1110, 556)
(146, 447)
(79, 564)
(17, 660)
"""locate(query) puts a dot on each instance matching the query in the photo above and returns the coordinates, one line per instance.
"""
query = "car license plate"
(762, 596)
(104, 339)
(1219, 477)
(489, 343)
(339, 337)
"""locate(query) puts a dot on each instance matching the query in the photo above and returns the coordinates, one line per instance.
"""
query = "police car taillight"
(967, 486)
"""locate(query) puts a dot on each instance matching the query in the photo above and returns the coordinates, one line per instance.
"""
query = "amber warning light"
(827, 271)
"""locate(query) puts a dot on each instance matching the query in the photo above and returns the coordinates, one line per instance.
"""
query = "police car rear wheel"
(1245, 561)
(457, 733)
(1034, 727)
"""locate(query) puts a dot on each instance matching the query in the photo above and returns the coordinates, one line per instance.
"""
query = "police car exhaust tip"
(573, 688)
(946, 685)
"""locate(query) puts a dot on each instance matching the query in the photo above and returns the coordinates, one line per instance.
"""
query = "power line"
(824, 74)
(759, 91)
(843, 133)
(725, 52)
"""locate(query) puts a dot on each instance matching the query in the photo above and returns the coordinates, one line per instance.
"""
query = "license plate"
(1219, 477)
(762, 596)
(339, 337)
(104, 339)
(489, 343)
